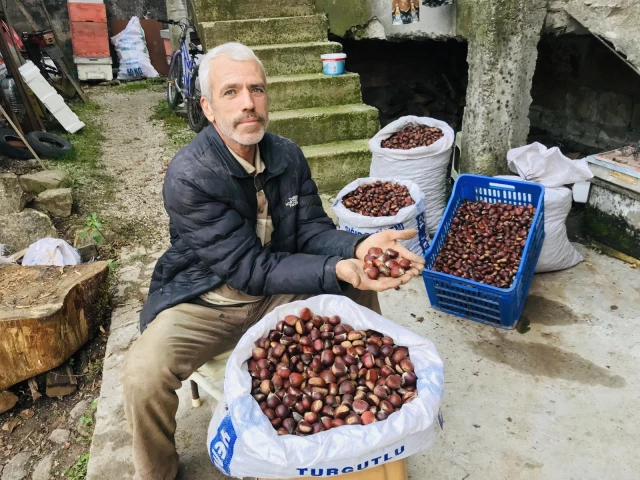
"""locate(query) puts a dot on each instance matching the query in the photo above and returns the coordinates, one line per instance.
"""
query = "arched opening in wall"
(425, 78)
(586, 99)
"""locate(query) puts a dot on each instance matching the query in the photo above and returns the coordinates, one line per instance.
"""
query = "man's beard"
(228, 129)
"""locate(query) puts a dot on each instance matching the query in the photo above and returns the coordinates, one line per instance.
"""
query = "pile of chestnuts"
(485, 242)
(315, 373)
(413, 136)
(379, 199)
(387, 264)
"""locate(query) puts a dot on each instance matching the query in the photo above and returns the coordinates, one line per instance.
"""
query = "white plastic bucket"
(333, 63)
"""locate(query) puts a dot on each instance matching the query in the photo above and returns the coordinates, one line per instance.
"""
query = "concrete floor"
(557, 402)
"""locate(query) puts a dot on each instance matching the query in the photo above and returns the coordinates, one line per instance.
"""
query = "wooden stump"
(46, 315)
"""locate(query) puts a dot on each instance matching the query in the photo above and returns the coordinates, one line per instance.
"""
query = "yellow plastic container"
(389, 471)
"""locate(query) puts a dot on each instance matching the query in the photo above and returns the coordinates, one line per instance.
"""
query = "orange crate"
(90, 39)
(87, 12)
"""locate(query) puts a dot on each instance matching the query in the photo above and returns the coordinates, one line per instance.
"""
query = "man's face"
(239, 106)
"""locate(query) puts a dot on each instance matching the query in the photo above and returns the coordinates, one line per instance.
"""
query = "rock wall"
(25, 205)
(584, 96)
(116, 9)
(373, 19)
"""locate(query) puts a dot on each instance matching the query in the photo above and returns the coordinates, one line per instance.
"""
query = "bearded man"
(248, 233)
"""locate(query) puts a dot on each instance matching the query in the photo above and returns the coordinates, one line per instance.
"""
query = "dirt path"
(134, 153)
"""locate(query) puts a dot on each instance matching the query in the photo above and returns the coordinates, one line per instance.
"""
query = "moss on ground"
(156, 84)
(612, 230)
(84, 163)
(177, 129)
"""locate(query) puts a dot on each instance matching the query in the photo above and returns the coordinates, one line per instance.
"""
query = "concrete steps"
(312, 126)
(266, 31)
(293, 92)
(324, 115)
(221, 10)
(294, 58)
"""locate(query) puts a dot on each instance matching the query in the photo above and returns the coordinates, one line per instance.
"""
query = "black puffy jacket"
(211, 202)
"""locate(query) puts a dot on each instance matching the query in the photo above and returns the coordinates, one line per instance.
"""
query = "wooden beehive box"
(89, 32)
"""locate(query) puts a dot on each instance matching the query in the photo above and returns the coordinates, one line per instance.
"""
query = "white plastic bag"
(51, 251)
(411, 217)
(133, 56)
(242, 443)
(425, 166)
(549, 167)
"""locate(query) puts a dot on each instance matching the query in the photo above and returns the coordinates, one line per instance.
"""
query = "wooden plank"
(59, 58)
(33, 386)
(61, 382)
(31, 121)
(27, 15)
(20, 134)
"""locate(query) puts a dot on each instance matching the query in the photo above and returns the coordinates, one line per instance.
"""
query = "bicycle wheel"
(175, 78)
(195, 115)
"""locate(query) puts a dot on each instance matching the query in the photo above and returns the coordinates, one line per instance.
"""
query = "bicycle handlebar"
(164, 20)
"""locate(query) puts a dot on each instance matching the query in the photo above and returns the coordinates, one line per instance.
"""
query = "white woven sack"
(407, 218)
(425, 166)
(243, 443)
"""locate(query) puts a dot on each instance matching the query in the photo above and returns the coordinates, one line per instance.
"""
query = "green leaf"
(97, 237)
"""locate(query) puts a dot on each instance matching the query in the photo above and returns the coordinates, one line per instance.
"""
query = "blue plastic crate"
(500, 307)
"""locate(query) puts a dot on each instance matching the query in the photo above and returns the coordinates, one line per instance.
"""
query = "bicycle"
(182, 80)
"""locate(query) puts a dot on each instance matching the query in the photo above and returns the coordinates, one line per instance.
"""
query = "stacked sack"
(550, 168)
(426, 166)
(406, 218)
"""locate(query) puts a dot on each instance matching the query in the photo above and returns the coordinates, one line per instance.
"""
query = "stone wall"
(373, 19)
(116, 9)
(422, 78)
(26, 202)
(584, 96)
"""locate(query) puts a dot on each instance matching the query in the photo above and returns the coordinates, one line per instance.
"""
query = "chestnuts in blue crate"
(484, 254)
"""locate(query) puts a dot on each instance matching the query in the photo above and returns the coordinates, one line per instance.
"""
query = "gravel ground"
(134, 153)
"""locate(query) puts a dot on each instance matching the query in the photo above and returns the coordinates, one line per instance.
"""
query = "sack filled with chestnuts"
(323, 434)
(371, 205)
(416, 149)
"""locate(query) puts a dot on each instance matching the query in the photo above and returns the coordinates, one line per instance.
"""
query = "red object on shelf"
(89, 32)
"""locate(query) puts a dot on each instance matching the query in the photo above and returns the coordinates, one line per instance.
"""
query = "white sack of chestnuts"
(243, 443)
(426, 166)
(403, 215)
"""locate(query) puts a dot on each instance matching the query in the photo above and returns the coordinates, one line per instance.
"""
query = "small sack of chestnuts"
(378, 199)
(413, 136)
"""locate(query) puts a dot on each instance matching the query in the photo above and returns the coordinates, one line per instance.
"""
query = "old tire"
(12, 146)
(174, 97)
(49, 145)
(195, 116)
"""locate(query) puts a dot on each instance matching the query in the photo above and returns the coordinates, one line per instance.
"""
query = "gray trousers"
(178, 342)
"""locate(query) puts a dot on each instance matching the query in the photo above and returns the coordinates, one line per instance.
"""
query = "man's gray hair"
(233, 50)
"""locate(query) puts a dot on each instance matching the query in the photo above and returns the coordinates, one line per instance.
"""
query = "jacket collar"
(273, 161)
